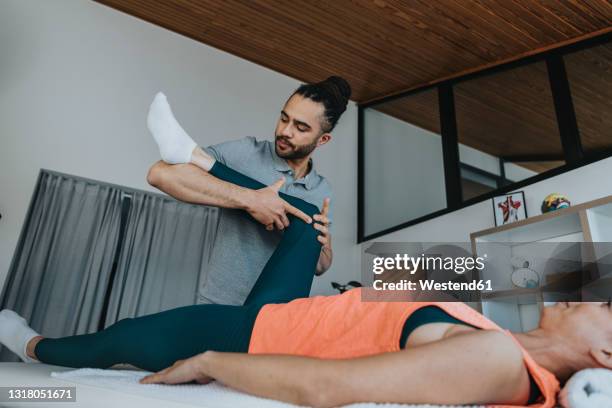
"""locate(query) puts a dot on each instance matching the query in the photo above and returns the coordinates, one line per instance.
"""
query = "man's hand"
(266, 206)
(322, 225)
(182, 371)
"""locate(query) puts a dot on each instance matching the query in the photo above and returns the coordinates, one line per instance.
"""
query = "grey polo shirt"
(242, 246)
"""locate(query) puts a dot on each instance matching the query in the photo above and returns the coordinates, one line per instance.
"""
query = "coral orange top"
(344, 326)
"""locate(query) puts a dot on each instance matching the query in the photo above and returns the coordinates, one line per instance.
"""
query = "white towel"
(209, 395)
(590, 388)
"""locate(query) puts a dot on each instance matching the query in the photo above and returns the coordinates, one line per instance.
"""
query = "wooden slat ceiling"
(380, 46)
(383, 47)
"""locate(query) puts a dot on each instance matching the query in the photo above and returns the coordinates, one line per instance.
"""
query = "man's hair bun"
(333, 92)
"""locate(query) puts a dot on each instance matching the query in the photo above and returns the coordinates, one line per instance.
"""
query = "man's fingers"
(277, 184)
(298, 213)
(278, 223)
(285, 220)
(321, 218)
(325, 209)
(321, 227)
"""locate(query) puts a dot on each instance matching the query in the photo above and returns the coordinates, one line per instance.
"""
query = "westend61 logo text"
(411, 264)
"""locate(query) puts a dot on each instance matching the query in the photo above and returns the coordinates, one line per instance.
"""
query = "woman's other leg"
(155, 341)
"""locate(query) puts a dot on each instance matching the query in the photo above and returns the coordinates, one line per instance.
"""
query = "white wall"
(76, 80)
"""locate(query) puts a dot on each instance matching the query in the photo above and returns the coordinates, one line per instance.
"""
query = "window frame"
(569, 133)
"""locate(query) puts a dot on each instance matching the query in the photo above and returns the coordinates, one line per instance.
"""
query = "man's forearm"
(189, 183)
(325, 261)
(192, 183)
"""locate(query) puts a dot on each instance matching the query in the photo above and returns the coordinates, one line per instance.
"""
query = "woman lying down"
(328, 351)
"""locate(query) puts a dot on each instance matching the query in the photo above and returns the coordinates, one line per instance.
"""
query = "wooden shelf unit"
(518, 309)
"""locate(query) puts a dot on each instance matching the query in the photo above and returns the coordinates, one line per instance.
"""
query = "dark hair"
(333, 93)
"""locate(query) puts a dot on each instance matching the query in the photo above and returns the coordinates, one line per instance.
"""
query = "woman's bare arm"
(478, 367)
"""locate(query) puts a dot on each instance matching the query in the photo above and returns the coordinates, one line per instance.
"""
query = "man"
(242, 248)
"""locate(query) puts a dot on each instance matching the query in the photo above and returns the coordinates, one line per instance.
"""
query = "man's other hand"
(267, 207)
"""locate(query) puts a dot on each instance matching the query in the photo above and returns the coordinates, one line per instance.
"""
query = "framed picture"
(509, 208)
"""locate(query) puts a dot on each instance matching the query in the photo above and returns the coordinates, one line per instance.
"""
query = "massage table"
(39, 375)
(101, 388)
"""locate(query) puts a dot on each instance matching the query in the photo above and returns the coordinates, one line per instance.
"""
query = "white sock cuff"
(15, 334)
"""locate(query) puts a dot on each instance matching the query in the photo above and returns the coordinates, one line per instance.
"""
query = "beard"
(295, 152)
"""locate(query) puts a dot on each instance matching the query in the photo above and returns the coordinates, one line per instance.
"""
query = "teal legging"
(156, 341)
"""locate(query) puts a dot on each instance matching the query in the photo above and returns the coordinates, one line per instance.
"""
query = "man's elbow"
(156, 173)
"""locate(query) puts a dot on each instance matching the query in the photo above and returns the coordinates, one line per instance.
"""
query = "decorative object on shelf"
(343, 288)
(554, 201)
(509, 208)
(523, 276)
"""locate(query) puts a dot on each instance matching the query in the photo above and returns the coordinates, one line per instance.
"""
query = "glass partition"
(404, 169)
(507, 126)
(589, 73)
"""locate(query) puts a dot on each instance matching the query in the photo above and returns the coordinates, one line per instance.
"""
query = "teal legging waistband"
(156, 341)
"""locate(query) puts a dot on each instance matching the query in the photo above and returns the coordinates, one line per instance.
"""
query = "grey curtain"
(61, 266)
(76, 264)
(166, 248)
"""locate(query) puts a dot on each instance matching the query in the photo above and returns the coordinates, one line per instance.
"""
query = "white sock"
(175, 145)
(15, 334)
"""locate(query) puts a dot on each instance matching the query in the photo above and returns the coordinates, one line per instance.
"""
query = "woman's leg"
(289, 272)
(155, 341)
